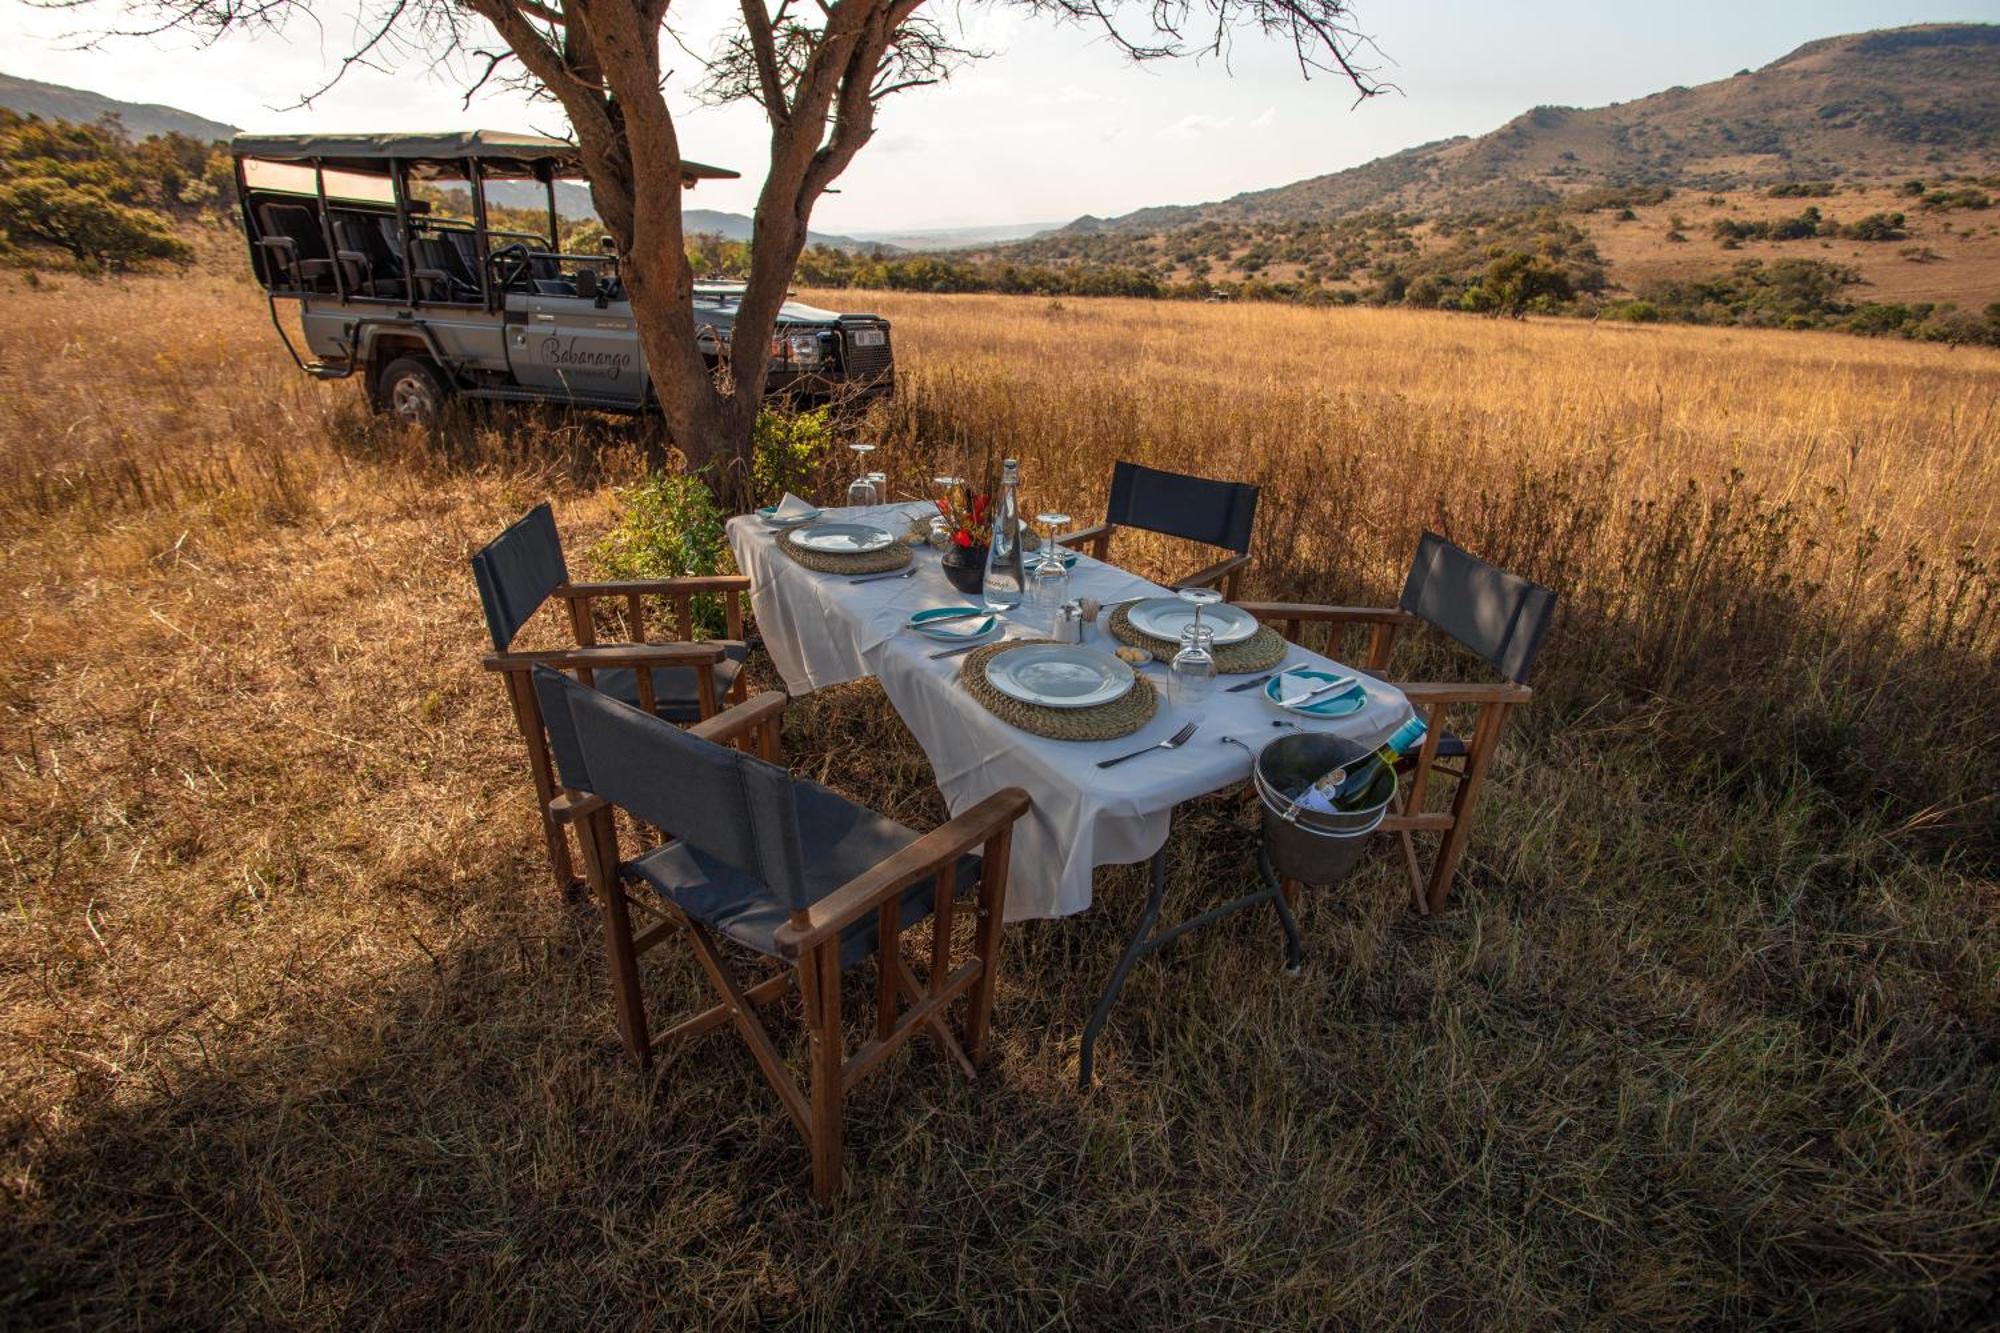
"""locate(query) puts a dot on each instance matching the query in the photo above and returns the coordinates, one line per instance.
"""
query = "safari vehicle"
(424, 306)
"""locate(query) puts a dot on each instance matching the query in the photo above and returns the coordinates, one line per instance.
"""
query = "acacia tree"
(819, 69)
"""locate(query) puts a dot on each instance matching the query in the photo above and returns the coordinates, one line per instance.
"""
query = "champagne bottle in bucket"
(1347, 787)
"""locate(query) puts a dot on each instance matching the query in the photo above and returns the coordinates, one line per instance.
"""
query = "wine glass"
(1198, 598)
(861, 491)
(1051, 576)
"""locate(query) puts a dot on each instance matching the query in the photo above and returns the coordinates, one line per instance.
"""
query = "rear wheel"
(411, 391)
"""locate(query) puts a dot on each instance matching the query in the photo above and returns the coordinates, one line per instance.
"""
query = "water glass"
(1049, 577)
(1191, 674)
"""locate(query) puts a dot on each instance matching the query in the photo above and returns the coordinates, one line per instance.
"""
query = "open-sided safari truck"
(404, 277)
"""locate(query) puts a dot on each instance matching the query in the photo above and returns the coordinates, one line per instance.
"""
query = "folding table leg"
(1140, 944)
(1144, 940)
(1295, 945)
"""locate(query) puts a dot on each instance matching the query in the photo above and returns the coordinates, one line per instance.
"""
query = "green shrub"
(787, 451)
(83, 220)
(668, 525)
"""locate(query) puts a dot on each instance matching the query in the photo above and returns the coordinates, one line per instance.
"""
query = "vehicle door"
(573, 347)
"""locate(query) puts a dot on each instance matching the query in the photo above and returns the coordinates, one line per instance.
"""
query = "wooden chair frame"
(1433, 702)
(590, 657)
(1228, 571)
(810, 944)
(1126, 478)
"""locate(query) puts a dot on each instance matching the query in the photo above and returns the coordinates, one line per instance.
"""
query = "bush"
(88, 223)
(668, 526)
(1636, 312)
(1877, 227)
(787, 449)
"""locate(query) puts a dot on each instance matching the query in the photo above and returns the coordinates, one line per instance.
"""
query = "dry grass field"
(1951, 256)
(296, 1033)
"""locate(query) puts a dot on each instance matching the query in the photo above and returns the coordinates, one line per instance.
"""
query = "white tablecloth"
(821, 630)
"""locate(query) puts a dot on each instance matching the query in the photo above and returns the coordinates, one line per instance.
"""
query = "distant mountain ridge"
(1911, 100)
(141, 119)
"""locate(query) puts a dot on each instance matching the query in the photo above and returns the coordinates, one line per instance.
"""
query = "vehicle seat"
(435, 256)
(363, 234)
(299, 258)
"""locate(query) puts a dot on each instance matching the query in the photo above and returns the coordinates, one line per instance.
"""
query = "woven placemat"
(893, 556)
(1106, 722)
(1260, 652)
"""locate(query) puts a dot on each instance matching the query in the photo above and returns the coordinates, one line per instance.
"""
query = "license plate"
(868, 337)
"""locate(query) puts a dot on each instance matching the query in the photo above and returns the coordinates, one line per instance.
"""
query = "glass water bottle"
(1005, 575)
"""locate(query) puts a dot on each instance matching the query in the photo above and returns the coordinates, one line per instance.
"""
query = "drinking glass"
(861, 491)
(1191, 674)
(1198, 598)
(941, 526)
(1049, 584)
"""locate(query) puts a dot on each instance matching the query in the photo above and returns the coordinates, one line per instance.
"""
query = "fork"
(1173, 742)
(877, 578)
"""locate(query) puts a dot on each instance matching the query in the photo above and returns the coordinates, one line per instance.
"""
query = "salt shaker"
(1069, 622)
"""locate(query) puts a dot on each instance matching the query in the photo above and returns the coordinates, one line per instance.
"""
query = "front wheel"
(411, 391)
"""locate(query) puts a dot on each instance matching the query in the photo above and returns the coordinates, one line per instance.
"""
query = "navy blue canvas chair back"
(552, 694)
(733, 807)
(517, 571)
(1501, 617)
(1220, 513)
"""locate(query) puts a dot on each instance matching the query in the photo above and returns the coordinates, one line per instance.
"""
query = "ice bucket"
(1316, 847)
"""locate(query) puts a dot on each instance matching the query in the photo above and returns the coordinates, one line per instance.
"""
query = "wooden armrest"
(1355, 615)
(887, 878)
(734, 723)
(710, 583)
(598, 657)
(1214, 574)
(573, 806)
(1078, 536)
(1444, 692)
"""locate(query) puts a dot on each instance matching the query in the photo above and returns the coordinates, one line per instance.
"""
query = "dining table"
(826, 629)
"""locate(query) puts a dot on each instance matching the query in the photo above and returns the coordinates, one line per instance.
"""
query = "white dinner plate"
(843, 538)
(1163, 617)
(1059, 675)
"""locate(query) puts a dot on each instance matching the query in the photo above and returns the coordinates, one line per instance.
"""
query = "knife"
(956, 652)
(967, 614)
(1255, 681)
(1339, 682)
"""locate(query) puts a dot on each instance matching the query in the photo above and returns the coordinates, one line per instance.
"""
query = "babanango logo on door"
(567, 356)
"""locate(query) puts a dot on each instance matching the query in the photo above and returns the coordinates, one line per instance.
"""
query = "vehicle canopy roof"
(501, 154)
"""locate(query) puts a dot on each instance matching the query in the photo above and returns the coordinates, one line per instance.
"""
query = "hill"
(1876, 105)
(141, 119)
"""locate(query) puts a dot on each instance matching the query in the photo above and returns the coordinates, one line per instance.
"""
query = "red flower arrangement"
(969, 513)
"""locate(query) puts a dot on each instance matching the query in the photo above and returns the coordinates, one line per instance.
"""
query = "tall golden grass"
(296, 1032)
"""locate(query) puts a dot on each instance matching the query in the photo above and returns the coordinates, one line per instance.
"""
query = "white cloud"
(1195, 124)
(1265, 119)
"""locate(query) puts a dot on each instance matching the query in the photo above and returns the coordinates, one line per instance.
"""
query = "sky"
(1053, 123)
